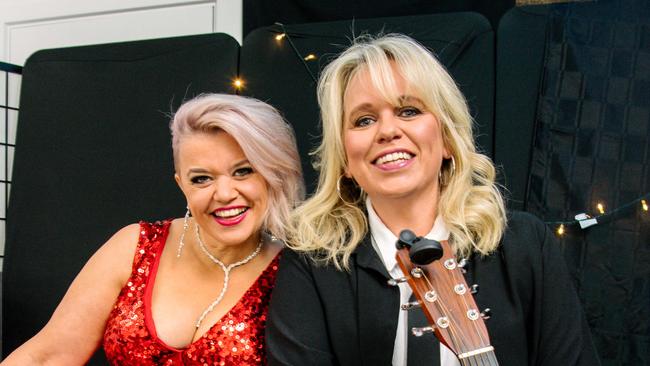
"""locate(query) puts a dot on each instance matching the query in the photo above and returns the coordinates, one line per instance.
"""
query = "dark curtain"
(592, 146)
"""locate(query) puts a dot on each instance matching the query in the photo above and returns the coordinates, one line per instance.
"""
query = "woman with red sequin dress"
(194, 290)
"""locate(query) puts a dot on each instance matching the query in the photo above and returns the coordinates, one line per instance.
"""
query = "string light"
(601, 208)
(303, 59)
(644, 205)
(560, 230)
(238, 83)
(310, 57)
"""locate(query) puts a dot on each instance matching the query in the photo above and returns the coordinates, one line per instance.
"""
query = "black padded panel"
(275, 73)
(521, 37)
(259, 13)
(94, 154)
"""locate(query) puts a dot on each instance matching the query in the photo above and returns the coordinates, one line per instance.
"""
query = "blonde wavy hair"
(470, 201)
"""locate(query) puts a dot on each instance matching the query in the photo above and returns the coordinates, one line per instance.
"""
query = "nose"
(388, 128)
(225, 190)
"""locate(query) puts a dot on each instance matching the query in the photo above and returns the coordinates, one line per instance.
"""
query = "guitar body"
(448, 304)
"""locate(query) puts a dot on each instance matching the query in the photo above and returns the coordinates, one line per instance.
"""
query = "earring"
(186, 224)
(453, 167)
(338, 192)
(452, 170)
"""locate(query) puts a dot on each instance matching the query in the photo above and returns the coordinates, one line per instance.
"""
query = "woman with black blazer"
(398, 153)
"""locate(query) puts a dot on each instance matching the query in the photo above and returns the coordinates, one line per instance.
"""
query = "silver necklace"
(226, 270)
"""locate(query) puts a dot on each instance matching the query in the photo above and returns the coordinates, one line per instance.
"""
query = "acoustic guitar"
(437, 281)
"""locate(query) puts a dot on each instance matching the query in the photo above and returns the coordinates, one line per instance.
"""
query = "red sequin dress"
(130, 337)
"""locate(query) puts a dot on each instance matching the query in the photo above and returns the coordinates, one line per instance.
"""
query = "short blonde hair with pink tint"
(266, 139)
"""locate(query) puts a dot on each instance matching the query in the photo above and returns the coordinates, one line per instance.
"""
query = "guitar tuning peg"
(410, 305)
(419, 332)
(461, 264)
(397, 281)
(486, 314)
(474, 288)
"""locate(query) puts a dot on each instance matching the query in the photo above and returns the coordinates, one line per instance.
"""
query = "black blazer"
(321, 316)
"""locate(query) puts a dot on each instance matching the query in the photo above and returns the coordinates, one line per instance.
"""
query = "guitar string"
(456, 281)
(483, 359)
(456, 274)
(444, 310)
(463, 344)
(441, 308)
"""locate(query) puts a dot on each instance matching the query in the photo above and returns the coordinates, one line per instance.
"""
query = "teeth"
(231, 212)
(394, 157)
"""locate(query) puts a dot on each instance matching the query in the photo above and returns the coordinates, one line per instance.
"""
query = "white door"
(30, 25)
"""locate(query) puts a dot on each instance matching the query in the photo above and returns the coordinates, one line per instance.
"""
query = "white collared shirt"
(383, 240)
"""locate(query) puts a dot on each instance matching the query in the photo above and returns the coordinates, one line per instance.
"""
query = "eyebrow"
(196, 171)
(204, 171)
(402, 99)
(409, 98)
(241, 162)
(360, 107)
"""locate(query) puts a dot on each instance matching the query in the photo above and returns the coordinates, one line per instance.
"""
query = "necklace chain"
(226, 270)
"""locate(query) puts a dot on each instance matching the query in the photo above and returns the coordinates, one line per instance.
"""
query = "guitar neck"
(487, 358)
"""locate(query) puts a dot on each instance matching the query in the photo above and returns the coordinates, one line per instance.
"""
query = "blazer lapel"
(377, 306)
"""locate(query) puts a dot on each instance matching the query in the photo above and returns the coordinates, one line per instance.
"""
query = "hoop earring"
(453, 167)
(452, 170)
(186, 224)
(338, 192)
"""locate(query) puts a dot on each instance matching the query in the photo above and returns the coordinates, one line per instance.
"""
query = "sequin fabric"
(236, 339)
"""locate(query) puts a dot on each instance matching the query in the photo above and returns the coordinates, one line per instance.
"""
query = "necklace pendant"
(226, 271)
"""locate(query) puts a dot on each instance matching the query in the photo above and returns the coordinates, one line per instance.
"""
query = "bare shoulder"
(124, 241)
(118, 251)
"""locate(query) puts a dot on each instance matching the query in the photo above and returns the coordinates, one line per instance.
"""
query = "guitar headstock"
(447, 302)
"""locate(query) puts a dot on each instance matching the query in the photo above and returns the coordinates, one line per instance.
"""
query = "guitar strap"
(424, 350)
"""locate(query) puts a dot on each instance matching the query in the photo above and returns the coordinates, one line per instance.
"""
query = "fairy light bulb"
(560, 230)
(644, 205)
(310, 57)
(601, 208)
(238, 83)
(280, 37)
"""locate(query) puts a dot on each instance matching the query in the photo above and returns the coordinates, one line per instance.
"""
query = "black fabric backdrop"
(592, 145)
(262, 13)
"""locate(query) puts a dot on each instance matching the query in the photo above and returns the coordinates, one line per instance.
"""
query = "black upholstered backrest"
(94, 154)
(520, 41)
(276, 71)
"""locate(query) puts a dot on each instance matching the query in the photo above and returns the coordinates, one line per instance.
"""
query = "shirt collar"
(383, 240)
